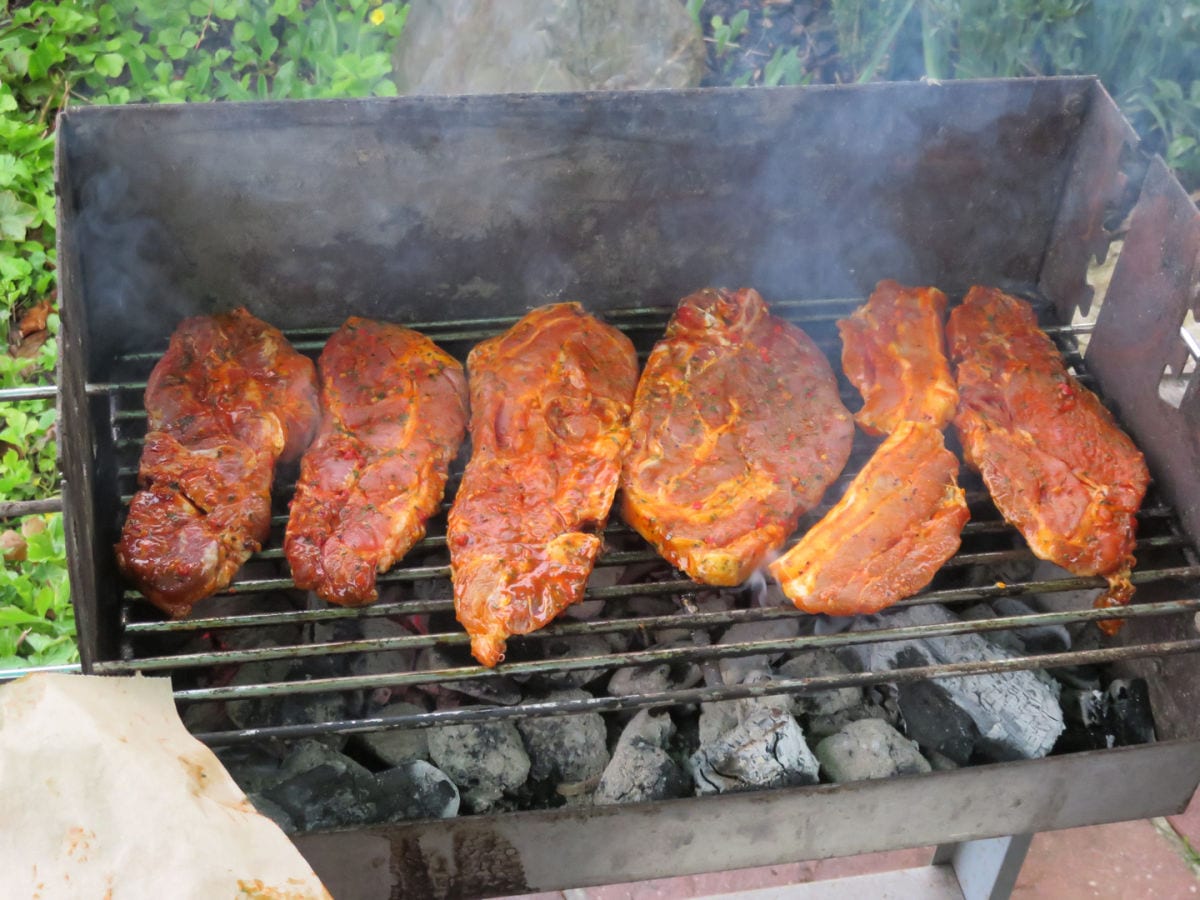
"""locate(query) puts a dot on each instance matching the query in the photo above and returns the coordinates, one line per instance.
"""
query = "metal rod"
(14, 509)
(652, 656)
(34, 392)
(695, 621)
(698, 694)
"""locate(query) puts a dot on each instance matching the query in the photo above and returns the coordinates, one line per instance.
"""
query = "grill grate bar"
(408, 607)
(684, 654)
(672, 654)
(531, 709)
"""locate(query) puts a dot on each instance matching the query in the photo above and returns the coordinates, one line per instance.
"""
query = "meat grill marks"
(893, 351)
(395, 411)
(550, 401)
(898, 522)
(737, 430)
(1057, 465)
(228, 399)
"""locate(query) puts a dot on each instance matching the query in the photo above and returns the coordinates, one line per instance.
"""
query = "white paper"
(103, 793)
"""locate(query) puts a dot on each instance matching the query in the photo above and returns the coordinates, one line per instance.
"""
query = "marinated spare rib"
(550, 403)
(229, 398)
(737, 431)
(395, 411)
(898, 522)
(894, 352)
(1057, 465)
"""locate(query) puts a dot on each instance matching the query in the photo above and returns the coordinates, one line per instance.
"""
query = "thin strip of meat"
(893, 351)
(228, 399)
(737, 431)
(1056, 463)
(898, 522)
(395, 412)
(550, 403)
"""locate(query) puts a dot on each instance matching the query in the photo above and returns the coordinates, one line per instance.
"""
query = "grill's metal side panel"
(1155, 282)
(561, 848)
(1097, 194)
(434, 207)
(1137, 335)
(87, 562)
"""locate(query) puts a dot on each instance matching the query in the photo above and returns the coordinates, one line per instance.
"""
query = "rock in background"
(481, 46)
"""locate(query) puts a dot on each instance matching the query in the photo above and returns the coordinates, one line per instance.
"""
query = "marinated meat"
(395, 411)
(229, 399)
(1057, 465)
(894, 352)
(550, 403)
(737, 431)
(898, 522)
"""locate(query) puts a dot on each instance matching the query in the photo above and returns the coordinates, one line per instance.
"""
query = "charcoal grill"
(455, 214)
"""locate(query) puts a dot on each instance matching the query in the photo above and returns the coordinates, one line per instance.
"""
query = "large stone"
(1017, 713)
(485, 759)
(568, 750)
(869, 748)
(480, 46)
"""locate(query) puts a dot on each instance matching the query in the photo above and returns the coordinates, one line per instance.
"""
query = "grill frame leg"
(986, 869)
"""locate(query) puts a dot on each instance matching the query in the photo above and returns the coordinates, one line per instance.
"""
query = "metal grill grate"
(151, 645)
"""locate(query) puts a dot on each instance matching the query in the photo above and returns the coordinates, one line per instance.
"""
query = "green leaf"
(243, 32)
(110, 65)
(15, 216)
(10, 615)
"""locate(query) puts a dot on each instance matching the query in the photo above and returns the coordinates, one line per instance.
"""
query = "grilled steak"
(897, 523)
(893, 351)
(1057, 466)
(550, 405)
(228, 399)
(737, 430)
(395, 411)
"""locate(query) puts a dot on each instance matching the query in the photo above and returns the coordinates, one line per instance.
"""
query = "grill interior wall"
(621, 200)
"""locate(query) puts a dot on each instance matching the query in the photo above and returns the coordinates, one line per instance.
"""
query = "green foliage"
(785, 68)
(37, 622)
(725, 34)
(59, 52)
(1146, 52)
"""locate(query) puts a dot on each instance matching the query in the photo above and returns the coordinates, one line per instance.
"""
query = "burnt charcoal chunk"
(1129, 709)
(1117, 717)
(566, 749)
(641, 769)
(251, 767)
(416, 790)
(869, 748)
(327, 798)
(397, 746)
(274, 812)
(934, 721)
(766, 750)
(486, 760)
